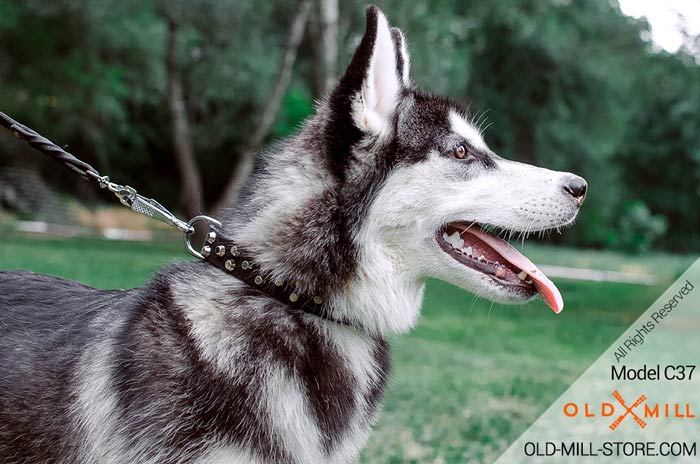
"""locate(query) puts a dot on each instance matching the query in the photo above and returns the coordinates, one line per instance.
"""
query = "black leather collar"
(225, 254)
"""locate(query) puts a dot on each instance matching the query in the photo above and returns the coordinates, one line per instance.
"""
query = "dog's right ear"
(372, 85)
(403, 62)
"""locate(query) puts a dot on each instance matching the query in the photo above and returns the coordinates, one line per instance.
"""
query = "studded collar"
(225, 254)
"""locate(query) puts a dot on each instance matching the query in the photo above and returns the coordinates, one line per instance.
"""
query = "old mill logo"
(639, 411)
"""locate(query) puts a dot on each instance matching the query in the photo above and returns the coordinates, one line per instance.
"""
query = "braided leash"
(127, 195)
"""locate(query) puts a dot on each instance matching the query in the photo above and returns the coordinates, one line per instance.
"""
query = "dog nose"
(576, 186)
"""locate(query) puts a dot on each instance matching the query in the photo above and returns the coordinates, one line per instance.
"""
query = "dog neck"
(382, 285)
(225, 254)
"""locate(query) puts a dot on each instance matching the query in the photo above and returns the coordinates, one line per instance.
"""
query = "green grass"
(100, 263)
(469, 378)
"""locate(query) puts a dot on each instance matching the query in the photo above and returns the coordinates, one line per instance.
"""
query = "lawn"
(469, 378)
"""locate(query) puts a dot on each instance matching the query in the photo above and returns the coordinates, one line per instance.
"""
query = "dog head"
(387, 186)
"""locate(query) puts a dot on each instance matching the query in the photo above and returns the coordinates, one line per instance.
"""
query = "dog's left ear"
(372, 85)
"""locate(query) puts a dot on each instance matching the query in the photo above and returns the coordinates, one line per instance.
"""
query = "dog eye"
(460, 152)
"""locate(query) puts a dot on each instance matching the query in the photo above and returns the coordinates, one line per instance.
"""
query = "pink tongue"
(545, 287)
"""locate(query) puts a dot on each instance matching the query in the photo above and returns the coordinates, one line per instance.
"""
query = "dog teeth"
(469, 251)
(455, 240)
(481, 258)
(501, 272)
(528, 281)
(522, 275)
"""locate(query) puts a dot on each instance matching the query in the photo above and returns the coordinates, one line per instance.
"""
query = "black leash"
(126, 194)
(48, 148)
(217, 250)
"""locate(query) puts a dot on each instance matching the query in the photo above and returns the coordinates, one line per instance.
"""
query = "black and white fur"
(197, 367)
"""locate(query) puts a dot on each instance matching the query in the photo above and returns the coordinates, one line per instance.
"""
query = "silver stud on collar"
(258, 280)
(211, 236)
(230, 265)
(234, 251)
(245, 265)
(220, 250)
(318, 299)
(279, 282)
(293, 297)
(206, 250)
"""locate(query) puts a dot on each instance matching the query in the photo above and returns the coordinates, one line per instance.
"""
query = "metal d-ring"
(188, 233)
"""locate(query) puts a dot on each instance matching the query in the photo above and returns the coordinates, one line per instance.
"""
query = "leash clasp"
(128, 196)
(188, 233)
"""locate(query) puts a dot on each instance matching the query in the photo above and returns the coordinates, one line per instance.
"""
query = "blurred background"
(152, 92)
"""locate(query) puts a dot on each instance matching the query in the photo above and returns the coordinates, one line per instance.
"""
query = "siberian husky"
(384, 187)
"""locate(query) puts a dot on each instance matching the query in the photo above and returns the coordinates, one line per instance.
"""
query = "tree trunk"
(182, 141)
(272, 106)
(327, 48)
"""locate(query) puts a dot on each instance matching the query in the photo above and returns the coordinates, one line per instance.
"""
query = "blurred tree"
(660, 151)
(326, 50)
(77, 74)
(568, 85)
(182, 141)
(267, 118)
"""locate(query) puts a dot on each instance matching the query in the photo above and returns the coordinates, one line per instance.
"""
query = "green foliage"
(296, 107)
(638, 229)
(659, 156)
(568, 85)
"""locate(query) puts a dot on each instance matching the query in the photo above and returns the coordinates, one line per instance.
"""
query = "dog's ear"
(373, 82)
(403, 61)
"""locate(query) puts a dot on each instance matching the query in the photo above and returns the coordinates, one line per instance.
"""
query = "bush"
(638, 228)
